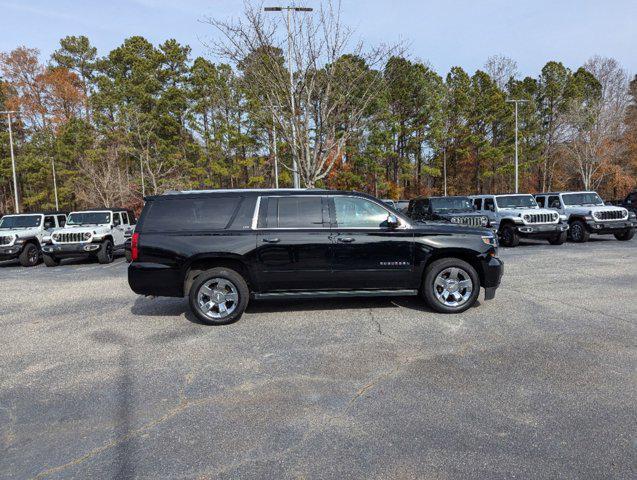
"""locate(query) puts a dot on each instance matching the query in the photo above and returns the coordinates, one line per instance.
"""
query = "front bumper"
(609, 227)
(493, 269)
(9, 253)
(541, 231)
(68, 250)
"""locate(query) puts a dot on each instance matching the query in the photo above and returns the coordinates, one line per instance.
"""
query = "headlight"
(55, 236)
(555, 216)
(489, 240)
(526, 218)
(86, 235)
(454, 219)
(484, 221)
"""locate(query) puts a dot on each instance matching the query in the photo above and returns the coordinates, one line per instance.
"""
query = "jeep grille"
(610, 215)
(470, 221)
(68, 237)
(541, 218)
(4, 240)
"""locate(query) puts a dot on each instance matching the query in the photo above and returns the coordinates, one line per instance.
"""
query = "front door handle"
(345, 239)
(271, 240)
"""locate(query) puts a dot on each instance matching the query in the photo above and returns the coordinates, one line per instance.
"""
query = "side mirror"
(392, 221)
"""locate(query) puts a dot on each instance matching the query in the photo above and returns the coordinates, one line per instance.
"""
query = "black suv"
(455, 209)
(222, 247)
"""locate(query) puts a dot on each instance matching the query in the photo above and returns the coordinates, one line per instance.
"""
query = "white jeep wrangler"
(515, 216)
(21, 235)
(93, 233)
(586, 214)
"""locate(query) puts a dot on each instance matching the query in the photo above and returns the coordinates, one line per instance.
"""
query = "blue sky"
(444, 33)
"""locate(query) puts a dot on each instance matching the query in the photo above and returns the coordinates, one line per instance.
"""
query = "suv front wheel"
(578, 232)
(219, 296)
(451, 285)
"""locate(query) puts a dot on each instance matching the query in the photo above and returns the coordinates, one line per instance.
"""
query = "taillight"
(134, 250)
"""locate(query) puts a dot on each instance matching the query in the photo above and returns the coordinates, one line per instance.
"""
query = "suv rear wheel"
(451, 285)
(30, 255)
(219, 296)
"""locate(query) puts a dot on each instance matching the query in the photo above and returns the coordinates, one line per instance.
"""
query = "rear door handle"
(271, 240)
(345, 239)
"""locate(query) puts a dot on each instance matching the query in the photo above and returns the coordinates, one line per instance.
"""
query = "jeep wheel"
(105, 253)
(509, 236)
(558, 239)
(50, 261)
(30, 256)
(578, 231)
(451, 285)
(627, 234)
(219, 296)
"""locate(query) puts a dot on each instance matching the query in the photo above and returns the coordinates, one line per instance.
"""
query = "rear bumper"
(71, 249)
(493, 269)
(155, 279)
(609, 227)
(541, 231)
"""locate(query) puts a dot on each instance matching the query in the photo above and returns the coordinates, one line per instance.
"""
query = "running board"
(335, 294)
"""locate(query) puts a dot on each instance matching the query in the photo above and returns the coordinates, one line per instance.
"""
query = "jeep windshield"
(89, 218)
(21, 221)
(451, 204)
(516, 201)
(582, 199)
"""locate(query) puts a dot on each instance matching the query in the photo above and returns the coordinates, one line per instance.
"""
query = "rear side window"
(190, 214)
(293, 212)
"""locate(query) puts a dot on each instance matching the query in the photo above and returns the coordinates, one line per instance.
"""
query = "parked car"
(97, 234)
(629, 203)
(516, 216)
(586, 214)
(222, 247)
(21, 235)
(455, 209)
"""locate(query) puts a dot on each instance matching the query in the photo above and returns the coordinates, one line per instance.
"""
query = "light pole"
(444, 167)
(290, 9)
(516, 101)
(15, 178)
(276, 163)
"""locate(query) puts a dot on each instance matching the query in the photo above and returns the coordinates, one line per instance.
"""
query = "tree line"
(146, 118)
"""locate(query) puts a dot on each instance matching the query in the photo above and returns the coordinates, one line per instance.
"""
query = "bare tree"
(333, 82)
(501, 69)
(596, 125)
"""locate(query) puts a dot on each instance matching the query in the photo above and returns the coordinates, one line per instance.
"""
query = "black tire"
(559, 239)
(626, 235)
(509, 236)
(239, 305)
(429, 288)
(30, 255)
(578, 232)
(106, 254)
(50, 261)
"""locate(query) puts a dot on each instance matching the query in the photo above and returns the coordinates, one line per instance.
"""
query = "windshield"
(451, 204)
(22, 221)
(89, 218)
(590, 198)
(516, 201)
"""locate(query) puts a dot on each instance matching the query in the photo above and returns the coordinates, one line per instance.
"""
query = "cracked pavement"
(538, 383)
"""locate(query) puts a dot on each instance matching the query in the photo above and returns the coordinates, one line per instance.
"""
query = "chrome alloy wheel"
(453, 287)
(217, 298)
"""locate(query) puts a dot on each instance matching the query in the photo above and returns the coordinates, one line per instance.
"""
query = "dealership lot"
(538, 383)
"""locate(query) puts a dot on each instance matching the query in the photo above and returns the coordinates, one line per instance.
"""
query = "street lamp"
(290, 9)
(516, 101)
(8, 113)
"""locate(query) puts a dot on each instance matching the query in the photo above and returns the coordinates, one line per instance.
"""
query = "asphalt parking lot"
(539, 383)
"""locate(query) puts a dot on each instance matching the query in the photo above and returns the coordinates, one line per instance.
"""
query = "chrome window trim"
(255, 215)
(403, 223)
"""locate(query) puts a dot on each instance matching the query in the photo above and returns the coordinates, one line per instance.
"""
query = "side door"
(554, 203)
(488, 208)
(118, 230)
(293, 243)
(368, 254)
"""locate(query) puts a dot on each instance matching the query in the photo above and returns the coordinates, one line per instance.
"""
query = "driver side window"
(489, 204)
(49, 223)
(359, 213)
(554, 202)
(116, 220)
